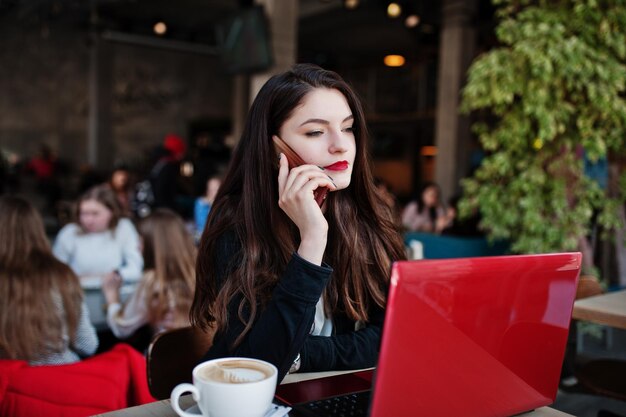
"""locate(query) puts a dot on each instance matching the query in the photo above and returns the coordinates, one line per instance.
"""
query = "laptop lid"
(476, 336)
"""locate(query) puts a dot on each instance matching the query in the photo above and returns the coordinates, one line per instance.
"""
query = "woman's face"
(320, 131)
(94, 216)
(119, 179)
(212, 187)
(430, 196)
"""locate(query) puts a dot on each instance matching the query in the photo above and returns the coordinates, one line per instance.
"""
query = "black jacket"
(281, 330)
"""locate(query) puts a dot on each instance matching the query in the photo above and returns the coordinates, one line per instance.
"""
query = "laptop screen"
(475, 336)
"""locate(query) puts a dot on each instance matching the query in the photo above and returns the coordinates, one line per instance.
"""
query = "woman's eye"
(349, 129)
(314, 133)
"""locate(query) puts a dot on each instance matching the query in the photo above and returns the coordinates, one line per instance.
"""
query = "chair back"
(588, 286)
(172, 355)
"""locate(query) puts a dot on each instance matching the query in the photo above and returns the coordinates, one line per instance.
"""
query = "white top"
(97, 254)
(125, 320)
(322, 325)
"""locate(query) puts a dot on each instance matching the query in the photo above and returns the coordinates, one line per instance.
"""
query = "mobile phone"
(295, 160)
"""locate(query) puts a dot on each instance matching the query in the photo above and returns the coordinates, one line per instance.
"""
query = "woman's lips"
(338, 166)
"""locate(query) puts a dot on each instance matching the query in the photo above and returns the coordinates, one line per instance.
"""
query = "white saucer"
(195, 410)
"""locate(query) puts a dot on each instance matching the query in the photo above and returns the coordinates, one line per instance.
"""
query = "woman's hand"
(111, 284)
(296, 199)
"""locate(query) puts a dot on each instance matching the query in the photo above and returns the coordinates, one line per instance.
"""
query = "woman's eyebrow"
(325, 122)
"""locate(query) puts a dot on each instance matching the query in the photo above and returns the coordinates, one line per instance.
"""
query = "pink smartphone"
(294, 161)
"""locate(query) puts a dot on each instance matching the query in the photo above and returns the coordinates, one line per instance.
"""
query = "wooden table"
(608, 309)
(163, 409)
(94, 299)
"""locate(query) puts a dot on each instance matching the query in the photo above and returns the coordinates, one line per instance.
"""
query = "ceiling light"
(412, 21)
(394, 60)
(160, 28)
(351, 4)
(394, 10)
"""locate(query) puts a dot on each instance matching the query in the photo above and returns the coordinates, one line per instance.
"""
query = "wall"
(43, 96)
(44, 91)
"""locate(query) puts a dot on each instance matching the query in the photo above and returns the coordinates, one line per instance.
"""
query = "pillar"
(283, 19)
(452, 131)
(283, 26)
(100, 145)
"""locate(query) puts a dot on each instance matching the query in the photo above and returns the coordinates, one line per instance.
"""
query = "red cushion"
(109, 381)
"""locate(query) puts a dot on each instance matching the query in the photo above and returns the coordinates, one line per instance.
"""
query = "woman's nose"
(338, 143)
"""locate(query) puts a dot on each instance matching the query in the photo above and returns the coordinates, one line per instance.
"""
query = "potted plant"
(554, 96)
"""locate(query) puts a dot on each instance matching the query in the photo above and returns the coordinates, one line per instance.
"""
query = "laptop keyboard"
(348, 405)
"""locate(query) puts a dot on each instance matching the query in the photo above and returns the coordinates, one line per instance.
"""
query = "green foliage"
(554, 87)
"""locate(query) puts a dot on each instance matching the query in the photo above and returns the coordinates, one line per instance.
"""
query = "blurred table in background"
(608, 309)
(94, 298)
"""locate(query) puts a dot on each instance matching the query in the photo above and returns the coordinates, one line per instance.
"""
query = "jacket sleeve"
(352, 350)
(125, 321)
(86, 340)
(281, 328)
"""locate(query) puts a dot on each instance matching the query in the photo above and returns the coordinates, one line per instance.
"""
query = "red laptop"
(473, 337)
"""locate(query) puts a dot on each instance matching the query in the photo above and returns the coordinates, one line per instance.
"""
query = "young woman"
(280, 277)
(102, 242)
(120, 183)
(203, 204)
(43, 318)
(164, 295)
(426, 213)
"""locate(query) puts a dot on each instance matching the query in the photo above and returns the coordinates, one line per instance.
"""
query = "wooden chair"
(172, 355)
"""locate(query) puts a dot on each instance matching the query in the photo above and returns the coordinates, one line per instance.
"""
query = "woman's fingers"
(299, 175)
(283, 173)
(302, 179)
(303, 185)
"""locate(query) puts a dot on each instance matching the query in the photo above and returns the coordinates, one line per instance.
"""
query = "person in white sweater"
(100, 244)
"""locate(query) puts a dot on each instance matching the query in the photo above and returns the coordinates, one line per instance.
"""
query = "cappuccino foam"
(235, 372)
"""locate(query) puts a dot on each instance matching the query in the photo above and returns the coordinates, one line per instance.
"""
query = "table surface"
(608, 309)
(164, 409)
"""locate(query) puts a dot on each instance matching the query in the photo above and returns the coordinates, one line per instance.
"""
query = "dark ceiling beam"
(152, 42)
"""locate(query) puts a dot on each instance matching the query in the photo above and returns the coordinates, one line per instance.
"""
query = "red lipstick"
(338, 166)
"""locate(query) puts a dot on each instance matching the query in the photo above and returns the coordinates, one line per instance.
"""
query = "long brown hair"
(30, 324)
(169, 252)
(362, 241)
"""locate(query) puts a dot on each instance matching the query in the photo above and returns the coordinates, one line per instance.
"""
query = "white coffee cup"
(229, 387)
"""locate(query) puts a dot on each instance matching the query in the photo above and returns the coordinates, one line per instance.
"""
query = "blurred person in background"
(426, 213)
(163, 298)
(44, 167)
(389, 198)
(120, 183)
(203, 204)
(165, 173)
(101, 242)
(4, 172)
(461, 227)
(43, 318)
